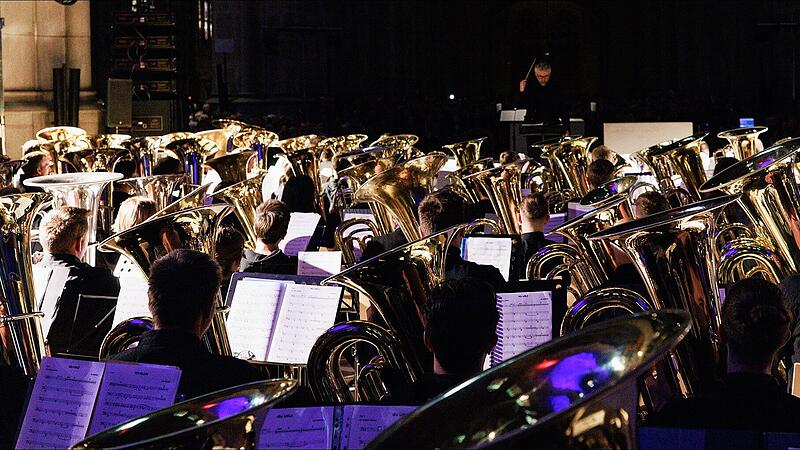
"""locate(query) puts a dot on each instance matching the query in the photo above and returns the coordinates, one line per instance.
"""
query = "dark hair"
(461, 323)
(167, 166)
(755, 320)
(542, 65)
(600, 171)
(650, 202)
(182, 287)
(272, 221)
(32, 161)
(723, 163)
(508, 157)
(300, 194)
(126, 167)
(534, 206)
(228, 249)
(440, 210)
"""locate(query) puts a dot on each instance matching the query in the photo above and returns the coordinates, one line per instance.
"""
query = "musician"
(37, 163)
(599, 173)
(181, 297)
(790, 287)
(460, 330)
(64, 234)
(755, 325)
(271, 226)
(650, 202)
(228, 253)
(603, 152)
(132, 212)
(534, 215)
(542, 100)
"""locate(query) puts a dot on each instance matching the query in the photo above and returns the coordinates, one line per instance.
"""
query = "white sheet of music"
(61, 404)
(297, 428)
(319, 263)
(126, 267)
(491, 251)
(306, 312)
(132, 301)
(250, 322)
(301, 229)
(527, 321)
(48, 284)
(132, 390)
(362, 423)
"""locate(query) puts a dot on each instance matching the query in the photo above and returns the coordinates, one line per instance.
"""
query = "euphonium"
(358, 175)
(192, 151)
(467, 153)
(396, 283)
(231, 168)
(397, 187)
(61, 140)
(194, 229)
(682, 158)
(673, 252)
(244, 197)
(743, 141)
(21, 339)
(158, 188)
(569, 160)
(502, 185)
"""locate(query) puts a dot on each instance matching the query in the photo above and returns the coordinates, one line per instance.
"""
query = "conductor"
(543, 101)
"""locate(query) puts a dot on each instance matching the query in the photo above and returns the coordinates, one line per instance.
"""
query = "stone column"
(38, 36)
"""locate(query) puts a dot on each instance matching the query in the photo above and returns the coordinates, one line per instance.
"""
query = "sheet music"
(132, 301)
(61, 404)
(48, 284)
(556, 220)
(491, 251)
(306, 312)
(132, 390)
(126, 267)
(301, 229)
(319, 263)
(299, 428)
(526, 321)
(254, 307)
(362, 423)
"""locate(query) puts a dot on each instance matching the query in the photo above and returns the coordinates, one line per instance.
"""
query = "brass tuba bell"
(569, 161)
(681, 158)
(192, 151)
(467, 153)
(503, 186)
(743, 141)
(244, 197)
(158, 188)
(232, 167)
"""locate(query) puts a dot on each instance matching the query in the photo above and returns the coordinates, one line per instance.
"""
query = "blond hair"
(132, 212)
(62, 227)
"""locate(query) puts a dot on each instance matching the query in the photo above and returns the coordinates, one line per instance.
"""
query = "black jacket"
(546, 104)
(457, 268)
(381, 244)
(201, 371)
(426, 388)
(86, 334)
(278, 263)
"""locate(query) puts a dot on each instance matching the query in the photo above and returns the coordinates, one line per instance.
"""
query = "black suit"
(277, 263)
(425, 389)
(457, 268)
(545, 104)
(201, 371)
(81, 337)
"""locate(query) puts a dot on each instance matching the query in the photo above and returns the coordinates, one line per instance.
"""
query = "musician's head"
(272, 222)
(603, 152)
(461, 325)
(300, 194)
(508, 157)
(542, 71)
(440, 210)
(228, 250)
(167, 166)
(756, 321)
(37, 163)
(182, 290)
(649, 203)
(64, 230)
(600, 172)
(534, 212)
(132, 212)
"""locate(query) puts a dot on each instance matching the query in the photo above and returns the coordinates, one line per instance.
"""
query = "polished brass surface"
(467, 153)
(144, 151)
(8, 169)
(344, 144)
(244, 197)
(298, 143)
(93, 159)
(257, 140)
(397, 187)
(682, 158)
(743, 141)
(195, 229)
(22, 344)
(569, 161)
(235, 126)
(303, 153)
(397, 141)
(125, 335)
(603, 193)
(583, 312)
(158, 188)
(60, 140)
(357, 175)
(673, 252)
(231, 168)
(396, 283)
(223, 419)
(191, 151)
(350, 233)
(108, 140)
(218, 137)
(195, 198)
(503, 187)
(578, 391)
(167, 139)
(469, 188)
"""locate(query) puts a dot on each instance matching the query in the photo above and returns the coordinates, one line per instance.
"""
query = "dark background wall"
(378, 66)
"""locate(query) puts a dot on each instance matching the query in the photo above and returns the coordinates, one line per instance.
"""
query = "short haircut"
(272, 221)
(126, 167)
(723, 163)
(534, 206)
(755, 320)
(649, 203)
(602, 152)
(508, 157)
(182, 288)
(440, 210)
(461, 322)
(229, 249)
(600, 172)
(167, 166)
(300, 194)
(62, 227)
(132, 212)
(542, 65)
(32, 161)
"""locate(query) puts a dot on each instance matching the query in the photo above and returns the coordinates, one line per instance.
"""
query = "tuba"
(159, 188)
(194, 199)
(232, 167)
(144, 151)
(467, 153)
(681, 158)
(503, 186)
(59, 141)
(344, 144)
(21, 340)
(221, 138)
(743, 141)
(396, 283)
(8, 170)
(398, 145)
(303, 154)
(358, 175)
(395, 189)
(192, 151)
(244, 197)
(469, 188)
(195, 229)
(578, 391)
(569, 161)
(256, 140)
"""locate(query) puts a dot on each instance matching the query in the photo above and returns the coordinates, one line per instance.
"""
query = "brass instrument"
(469, 188)
(361, 155)
(578, 391)
(244, 197)
(219, 137)
(502, 185)
(358, 175)
(743, 141)
(235, 126)
(467, 153)
(58, 141)
(673, 252)
(195, 198)
(257, 140)
(345, 236)
(396, 283)
(192, 151)
(222, 419)
(569, 161)
(22, 344)
(344, 144)
(303, 154)
(398, 145)
(125, 335)
(144, 151)
(232, 167)
(582, 313)
(158, 188)
(195, 229)
(396, 187)
(682, 158)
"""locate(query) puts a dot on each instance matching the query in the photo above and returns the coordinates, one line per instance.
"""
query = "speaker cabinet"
(119, 109)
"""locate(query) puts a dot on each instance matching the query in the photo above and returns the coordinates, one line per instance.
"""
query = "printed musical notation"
(301, 229)
(491, 251)
(362, 423)
(254, 306)
(132, 301)
(526, 320)
(319, 263)
(297, 428)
